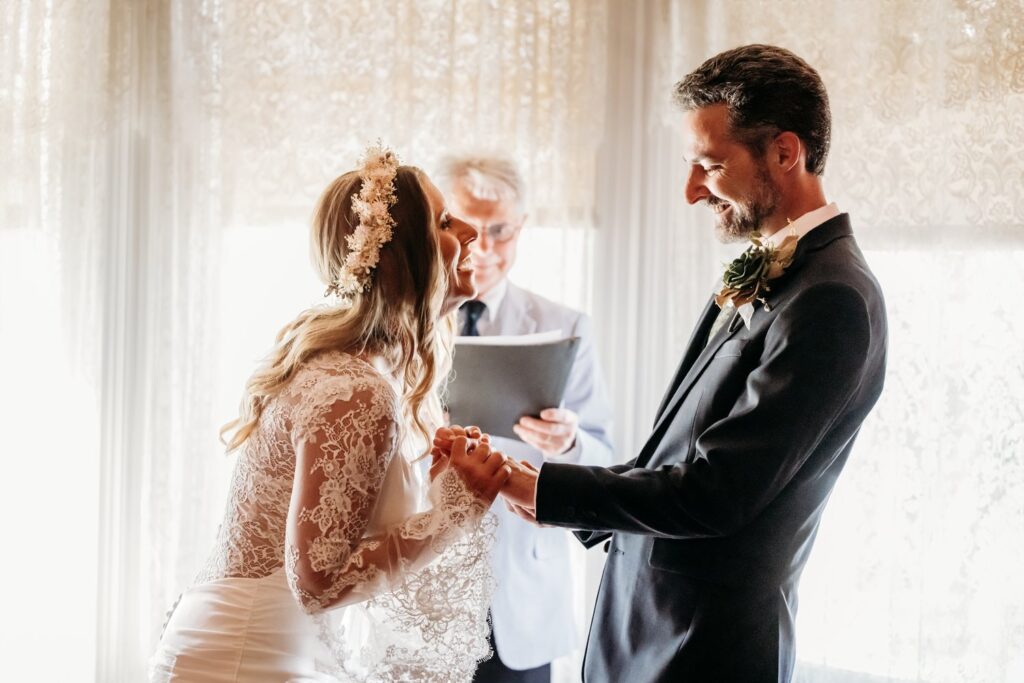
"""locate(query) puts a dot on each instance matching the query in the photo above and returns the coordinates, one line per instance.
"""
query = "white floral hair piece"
(372, 205)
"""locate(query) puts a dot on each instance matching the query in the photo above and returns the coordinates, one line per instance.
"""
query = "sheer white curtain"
(110, 240)
(162, 162)
(916, 572)
(52, 114)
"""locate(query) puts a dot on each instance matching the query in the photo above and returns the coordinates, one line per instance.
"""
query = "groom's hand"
(553, 434)
(520, 490)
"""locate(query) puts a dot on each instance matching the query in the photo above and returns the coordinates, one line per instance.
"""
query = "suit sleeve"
(590, 537)
(587, 396)
(813, 362)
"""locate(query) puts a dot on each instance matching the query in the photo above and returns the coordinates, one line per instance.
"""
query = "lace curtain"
(915, 576)
(162, 162)
(298, 88)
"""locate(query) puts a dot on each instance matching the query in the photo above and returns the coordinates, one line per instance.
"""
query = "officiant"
(531, 613)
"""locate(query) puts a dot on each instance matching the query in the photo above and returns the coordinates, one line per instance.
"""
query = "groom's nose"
(694, 189)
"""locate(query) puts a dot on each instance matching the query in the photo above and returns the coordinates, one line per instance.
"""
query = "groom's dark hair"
(768, 90)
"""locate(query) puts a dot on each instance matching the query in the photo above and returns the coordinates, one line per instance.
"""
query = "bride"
(328, 566)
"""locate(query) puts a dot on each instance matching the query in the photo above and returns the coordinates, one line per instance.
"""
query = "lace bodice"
(357, 449)
(306, 496)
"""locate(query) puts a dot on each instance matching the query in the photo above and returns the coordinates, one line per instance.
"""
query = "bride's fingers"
(489, 460)
(481, 453)
(458, 452)
(498, 460)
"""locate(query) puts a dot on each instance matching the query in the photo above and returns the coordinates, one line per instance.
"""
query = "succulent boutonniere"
(746, 279)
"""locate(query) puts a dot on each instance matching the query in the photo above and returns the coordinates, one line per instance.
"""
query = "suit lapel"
(693, 349)
(697, 356)
(695, 370)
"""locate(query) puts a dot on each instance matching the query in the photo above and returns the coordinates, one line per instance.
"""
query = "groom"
(708, 529)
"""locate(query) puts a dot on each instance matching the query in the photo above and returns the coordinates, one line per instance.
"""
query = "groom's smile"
(724, 173)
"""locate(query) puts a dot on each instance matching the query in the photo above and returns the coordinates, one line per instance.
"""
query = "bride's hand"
(441, 448)
(444, 437)
(484, 471)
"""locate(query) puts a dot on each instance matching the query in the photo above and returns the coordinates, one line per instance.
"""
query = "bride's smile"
(455, 237)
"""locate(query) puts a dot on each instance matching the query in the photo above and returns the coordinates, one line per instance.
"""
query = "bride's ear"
(787, 152)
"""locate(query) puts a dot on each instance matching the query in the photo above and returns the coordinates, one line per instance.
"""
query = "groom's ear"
(787, 152)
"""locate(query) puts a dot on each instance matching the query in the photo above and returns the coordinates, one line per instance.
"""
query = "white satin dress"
(337, 564)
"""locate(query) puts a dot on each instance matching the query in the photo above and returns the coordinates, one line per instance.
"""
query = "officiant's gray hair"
(768, 90)
(491, 177)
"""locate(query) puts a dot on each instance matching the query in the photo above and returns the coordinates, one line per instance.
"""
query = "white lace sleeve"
(343, 445)
(424, 583)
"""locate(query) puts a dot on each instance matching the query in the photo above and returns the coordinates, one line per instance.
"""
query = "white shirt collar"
(493, 299)
(804, 224)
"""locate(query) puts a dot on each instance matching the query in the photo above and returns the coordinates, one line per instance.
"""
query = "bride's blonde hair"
(398, 318)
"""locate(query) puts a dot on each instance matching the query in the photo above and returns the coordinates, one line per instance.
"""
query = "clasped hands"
(486, 472)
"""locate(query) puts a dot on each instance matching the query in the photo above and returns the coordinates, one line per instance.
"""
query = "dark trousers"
(493, 671)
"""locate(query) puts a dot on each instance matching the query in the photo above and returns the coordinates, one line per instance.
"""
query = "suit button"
(607, 545)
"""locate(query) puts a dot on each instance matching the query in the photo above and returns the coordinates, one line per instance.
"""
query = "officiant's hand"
(553, 434)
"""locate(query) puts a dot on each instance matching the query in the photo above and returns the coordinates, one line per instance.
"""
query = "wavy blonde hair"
(399, 318)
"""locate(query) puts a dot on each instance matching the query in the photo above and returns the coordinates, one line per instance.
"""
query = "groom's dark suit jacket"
(713, 522)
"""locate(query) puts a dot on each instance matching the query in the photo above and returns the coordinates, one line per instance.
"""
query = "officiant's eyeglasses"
(500, 232)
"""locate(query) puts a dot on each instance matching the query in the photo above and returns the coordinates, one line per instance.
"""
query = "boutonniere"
(746, 279)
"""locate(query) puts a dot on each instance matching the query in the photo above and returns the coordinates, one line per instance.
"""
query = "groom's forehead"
(705, 131)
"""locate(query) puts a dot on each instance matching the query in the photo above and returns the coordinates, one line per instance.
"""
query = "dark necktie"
(472, 310)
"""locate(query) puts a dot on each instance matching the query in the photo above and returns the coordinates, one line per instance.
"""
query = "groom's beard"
(747, 217)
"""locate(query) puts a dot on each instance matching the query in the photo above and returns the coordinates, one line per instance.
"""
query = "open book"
(496, 380)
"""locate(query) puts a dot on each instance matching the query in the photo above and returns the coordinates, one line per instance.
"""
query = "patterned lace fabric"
(304, 492)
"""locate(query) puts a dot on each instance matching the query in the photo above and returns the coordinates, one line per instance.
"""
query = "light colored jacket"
(532, 609)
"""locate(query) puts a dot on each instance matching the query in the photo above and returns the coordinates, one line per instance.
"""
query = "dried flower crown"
(372, 205)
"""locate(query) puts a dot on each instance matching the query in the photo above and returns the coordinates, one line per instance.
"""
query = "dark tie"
(472, 310)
